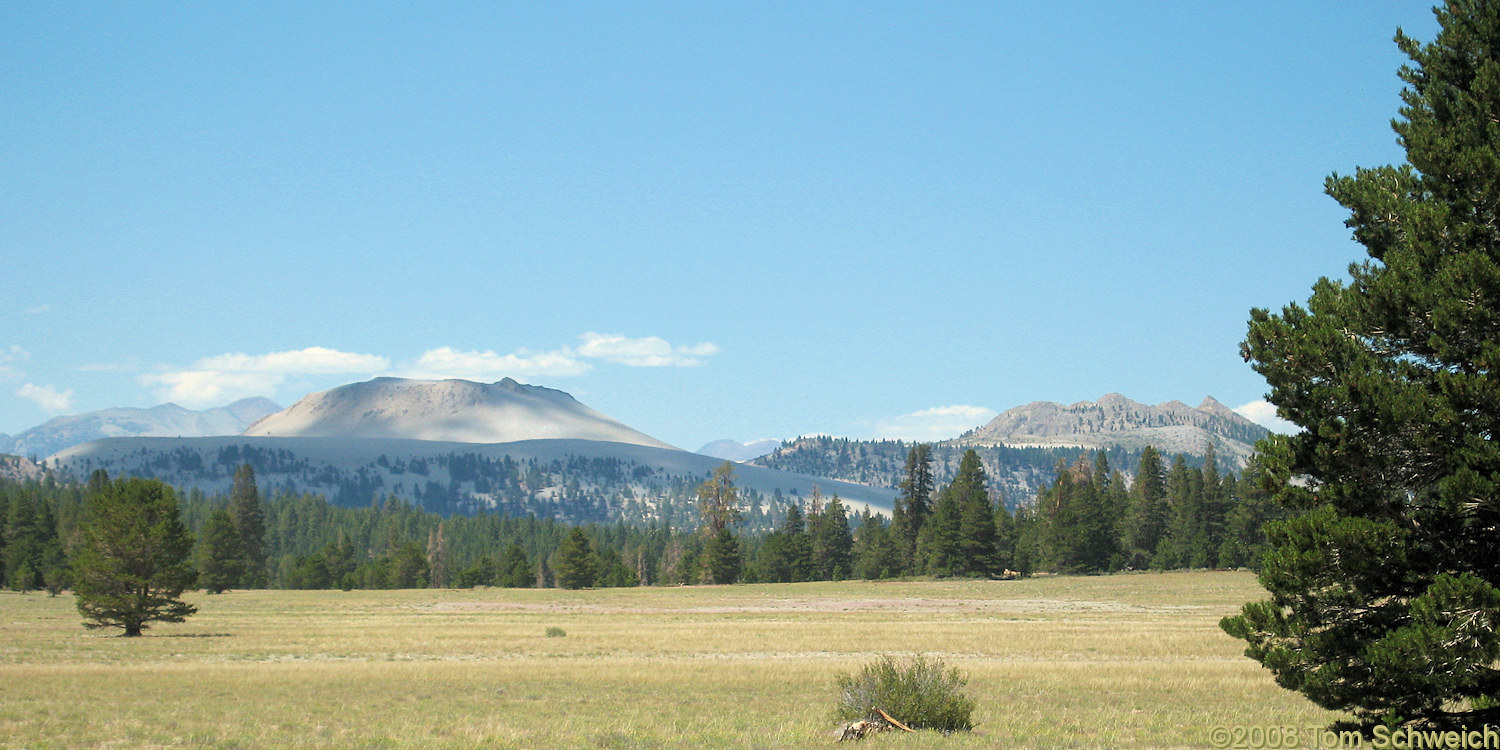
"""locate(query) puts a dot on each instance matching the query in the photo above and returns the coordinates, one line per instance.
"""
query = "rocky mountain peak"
(1117, 420)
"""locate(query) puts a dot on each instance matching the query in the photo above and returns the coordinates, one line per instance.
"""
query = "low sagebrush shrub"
(556, 632)
(922, 693)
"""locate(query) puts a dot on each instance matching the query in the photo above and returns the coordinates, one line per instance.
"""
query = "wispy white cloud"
(651, 351)
(218, 380)
(569, 361)
(447, 362)
(938, 423)
(36, 310)
(9, 361)
(314, 360)
(199, 388)
(1263, 413)
(47, 397)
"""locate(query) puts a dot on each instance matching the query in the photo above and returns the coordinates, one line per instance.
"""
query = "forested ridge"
(579, 488)
(573, 480)
(1017, 474)
(1089, 519)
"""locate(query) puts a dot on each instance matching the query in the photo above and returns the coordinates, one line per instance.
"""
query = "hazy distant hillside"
(576, 480)
(167, 420)
(733, 450)
(1116, 421)
(446, 410)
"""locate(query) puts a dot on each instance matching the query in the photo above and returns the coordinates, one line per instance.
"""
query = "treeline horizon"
(1091, 519)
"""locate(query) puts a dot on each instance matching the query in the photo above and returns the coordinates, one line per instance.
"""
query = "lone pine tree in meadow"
(133, 564)
(1384, 598)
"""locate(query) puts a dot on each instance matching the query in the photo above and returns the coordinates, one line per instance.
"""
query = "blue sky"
(707, 220)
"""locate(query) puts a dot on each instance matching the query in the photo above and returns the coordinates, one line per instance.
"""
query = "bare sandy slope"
(459, 411)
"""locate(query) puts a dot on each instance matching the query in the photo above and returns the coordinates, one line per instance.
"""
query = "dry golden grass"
(1117, 661)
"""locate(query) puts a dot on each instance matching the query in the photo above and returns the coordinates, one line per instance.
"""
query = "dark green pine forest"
(1089, 519)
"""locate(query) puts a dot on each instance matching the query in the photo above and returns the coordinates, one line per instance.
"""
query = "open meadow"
(1125, 661)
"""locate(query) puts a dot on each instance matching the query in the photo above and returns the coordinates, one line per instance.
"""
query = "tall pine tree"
(28, 529)
(250, 522)
(1081, 536)
(787, 554)
(912, 507)
(721, 558)
(1185, 510)
(574, 561)
(875, 554)
(979, 552)
(832, 544)
(514, 569)
(135, 559)
(221, 560)
(1385, 585)
(940, 548)
(1146, 522)
(719, 505)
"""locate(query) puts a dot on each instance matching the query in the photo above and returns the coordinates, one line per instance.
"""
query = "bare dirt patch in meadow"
(904, 605)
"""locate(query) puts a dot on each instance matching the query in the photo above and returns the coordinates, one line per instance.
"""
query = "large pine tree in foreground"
(1384, 598)
(134, 563)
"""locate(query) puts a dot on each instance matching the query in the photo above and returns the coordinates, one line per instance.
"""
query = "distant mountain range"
(461, 447)
(1021, 447)
(455, 446)
(733, 450)
(167, 420)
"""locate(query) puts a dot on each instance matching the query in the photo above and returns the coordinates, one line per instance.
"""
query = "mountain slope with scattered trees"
(1089, 519)
(572, 480)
